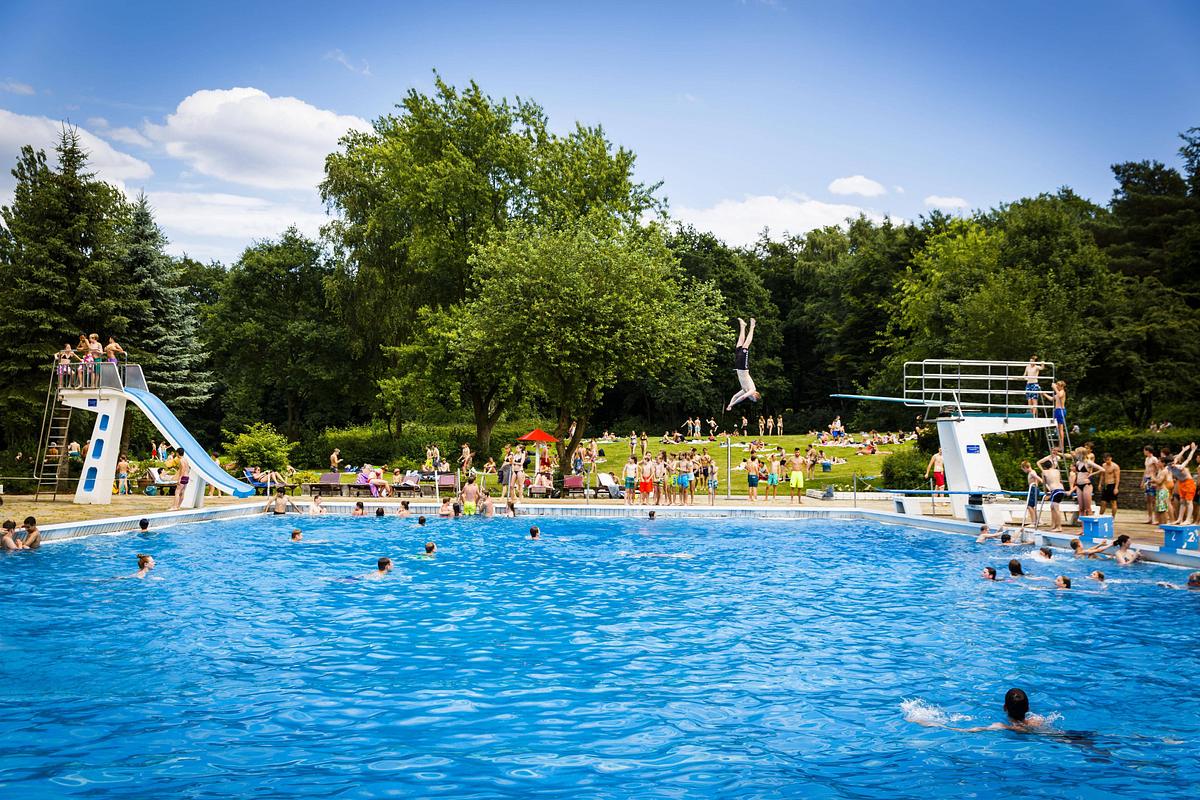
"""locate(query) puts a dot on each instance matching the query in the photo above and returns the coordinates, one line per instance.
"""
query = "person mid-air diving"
(741, 365)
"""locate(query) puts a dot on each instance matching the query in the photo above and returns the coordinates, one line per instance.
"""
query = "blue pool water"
(775, 661)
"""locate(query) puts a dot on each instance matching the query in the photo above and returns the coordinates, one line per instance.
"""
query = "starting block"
(1181, 537)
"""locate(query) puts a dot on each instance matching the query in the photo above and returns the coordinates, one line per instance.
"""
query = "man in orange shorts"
(1185, 484)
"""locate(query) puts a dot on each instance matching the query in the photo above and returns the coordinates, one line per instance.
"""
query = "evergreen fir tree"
(164, 336)
(58, 276)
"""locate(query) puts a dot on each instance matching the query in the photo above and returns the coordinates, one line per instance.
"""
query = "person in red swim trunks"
(937, 465)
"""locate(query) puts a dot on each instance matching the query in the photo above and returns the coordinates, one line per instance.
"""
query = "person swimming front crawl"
(741, 365)
(383, 567)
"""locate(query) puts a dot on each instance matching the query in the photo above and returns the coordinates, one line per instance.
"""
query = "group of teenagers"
(1167, 482)
(673, 478)
(77, 368)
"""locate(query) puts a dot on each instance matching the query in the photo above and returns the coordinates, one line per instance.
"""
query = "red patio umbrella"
(537, 435)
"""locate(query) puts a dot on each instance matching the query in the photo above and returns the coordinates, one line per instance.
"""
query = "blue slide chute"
(171, 428)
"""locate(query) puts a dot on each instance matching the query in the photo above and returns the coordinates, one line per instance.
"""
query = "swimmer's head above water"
(1014, 569)
(430, 548)
(1062, 582)
(989, 574)
(296, 535)
(1016, 704)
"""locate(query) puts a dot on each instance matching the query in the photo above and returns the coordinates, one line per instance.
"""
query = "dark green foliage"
(905, 469)
(59, 276)
(163, 335)
(282, 355)
(260, 445)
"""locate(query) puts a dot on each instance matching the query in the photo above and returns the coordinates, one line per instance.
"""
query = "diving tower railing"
(995, 388)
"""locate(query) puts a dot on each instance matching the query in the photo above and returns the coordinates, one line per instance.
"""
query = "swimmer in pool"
(384, 566)
(1193, 583)
(359, 510)
(421, 520)
(430, 550)
(280, 503)
(317, 506)
(534, 533)
(1098, 577)
(297, 535)
(379, 512)
(1046, 553)
(447, 509)
(1062, 582)
(1125, 554)
(404, 511)
(1016, 709)
(989, 574)
(145, 563)
(8, 537)
(1079, 551)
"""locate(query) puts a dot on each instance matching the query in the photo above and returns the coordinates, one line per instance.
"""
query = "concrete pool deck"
(92, 520)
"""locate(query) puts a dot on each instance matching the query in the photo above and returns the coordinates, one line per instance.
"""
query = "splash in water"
(922, 713)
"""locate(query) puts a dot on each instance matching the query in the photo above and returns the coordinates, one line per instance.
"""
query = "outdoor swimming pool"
(772, 661)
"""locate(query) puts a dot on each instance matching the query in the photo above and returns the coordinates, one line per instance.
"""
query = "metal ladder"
(56, 425)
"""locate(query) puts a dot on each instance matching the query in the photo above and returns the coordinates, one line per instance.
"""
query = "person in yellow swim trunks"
(796, 465)
(469, 497)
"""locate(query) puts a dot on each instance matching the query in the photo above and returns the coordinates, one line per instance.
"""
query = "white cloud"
(245, 136)
(43, 133)
(942, 201)
(857, 184)
(898, 189)
(233, 216)
(16, 87)
(123, 135)
(739, 222)
(343, 59)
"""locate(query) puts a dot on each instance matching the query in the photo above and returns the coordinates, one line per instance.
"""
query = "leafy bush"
(905, 469)
(260, 445)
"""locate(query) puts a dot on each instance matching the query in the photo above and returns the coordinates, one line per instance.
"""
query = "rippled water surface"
(747, 658)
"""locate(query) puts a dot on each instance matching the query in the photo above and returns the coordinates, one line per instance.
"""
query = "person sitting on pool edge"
(384, 566)
(280, 503)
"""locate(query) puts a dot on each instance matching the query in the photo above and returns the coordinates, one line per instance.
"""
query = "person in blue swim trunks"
(1059, 398)
(1032, 391)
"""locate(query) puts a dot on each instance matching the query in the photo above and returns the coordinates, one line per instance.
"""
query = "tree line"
(479, 266)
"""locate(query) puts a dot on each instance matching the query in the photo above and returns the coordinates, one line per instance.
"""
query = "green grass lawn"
(841, 475)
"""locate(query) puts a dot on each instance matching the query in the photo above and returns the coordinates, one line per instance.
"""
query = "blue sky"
(783, 114)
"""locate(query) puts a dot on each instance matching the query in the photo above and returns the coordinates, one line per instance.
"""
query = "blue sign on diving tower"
(968, 400)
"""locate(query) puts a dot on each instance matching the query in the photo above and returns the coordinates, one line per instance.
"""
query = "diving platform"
(969, 400)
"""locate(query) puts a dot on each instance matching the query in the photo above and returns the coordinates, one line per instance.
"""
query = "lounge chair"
(329, 485)
(264, 485)
(408, 486)
(161, 486)
(447, 481)
(573, 486)
(606, 482)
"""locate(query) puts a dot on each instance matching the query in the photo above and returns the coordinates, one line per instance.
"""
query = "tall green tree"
(432, 184)
(163, 334)
(59, 275)
(279, 350)
(595, 303)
